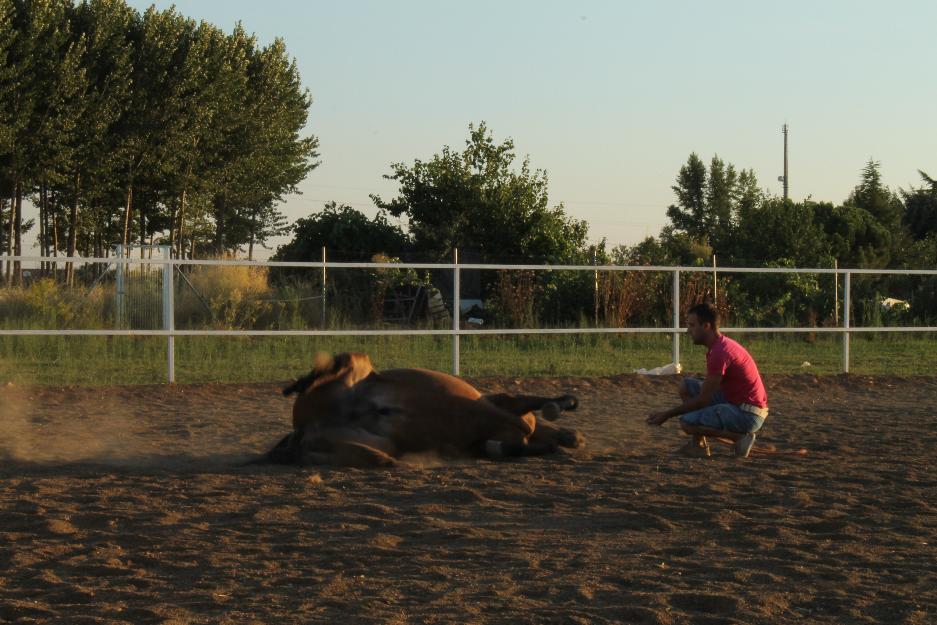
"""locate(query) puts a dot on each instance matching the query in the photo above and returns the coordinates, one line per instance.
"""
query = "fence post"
(676, 316)
(846, 285)
(456, 288)
(595, 286)
(169, 312)
(323, 286)
(836, 291)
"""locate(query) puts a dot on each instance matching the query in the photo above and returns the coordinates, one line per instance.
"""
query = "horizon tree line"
(130, 127)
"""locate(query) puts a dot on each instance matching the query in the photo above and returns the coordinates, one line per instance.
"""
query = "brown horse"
(349, 414)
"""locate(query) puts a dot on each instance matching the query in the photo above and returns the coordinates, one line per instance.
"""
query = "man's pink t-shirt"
(741, 382)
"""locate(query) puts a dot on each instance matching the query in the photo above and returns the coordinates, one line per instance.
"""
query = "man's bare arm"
(710, 386)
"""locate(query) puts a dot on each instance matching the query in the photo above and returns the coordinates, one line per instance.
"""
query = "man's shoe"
(692, 450)
(744, 445)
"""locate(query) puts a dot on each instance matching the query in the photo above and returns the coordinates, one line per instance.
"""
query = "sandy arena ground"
(130, 505)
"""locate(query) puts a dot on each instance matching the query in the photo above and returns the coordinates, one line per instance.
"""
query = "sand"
(132, 505)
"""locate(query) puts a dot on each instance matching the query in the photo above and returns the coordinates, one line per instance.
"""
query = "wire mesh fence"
(144, 292)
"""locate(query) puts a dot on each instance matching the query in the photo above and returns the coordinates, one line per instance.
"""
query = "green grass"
(52, 360)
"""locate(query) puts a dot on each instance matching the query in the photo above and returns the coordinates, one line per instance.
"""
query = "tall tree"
(782, 230)
(709, 202)
(720, 195)
(476, 201)
(8, 91)
(156, 107)
(747, 195)
(43, 63)
(855, 237)
(873, 196)
(271, 155)
(101, 32)
(920, 208)
(348, 233)
(689, 213)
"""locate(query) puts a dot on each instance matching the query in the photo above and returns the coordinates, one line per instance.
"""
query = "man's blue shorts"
(719, 414)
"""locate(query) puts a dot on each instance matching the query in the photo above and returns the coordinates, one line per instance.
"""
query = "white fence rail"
(170, 332)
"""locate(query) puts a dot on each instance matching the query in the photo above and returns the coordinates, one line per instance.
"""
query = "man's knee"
(689, 422)
(689, 388)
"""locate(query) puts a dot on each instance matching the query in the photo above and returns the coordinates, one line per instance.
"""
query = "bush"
(46, 305)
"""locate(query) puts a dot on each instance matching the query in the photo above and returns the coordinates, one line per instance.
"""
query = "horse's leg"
(287, 451)
(513, 449)
(349, 447)
(550, 433)
(546, 439)
(522, 404)
(354, 454)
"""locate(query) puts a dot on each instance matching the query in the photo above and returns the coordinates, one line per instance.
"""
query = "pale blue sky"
(609, 97)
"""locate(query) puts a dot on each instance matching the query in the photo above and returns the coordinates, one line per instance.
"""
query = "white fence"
(456, 331)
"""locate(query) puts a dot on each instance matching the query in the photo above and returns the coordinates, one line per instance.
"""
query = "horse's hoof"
(569, 402)
(551, 411)
(571, 439)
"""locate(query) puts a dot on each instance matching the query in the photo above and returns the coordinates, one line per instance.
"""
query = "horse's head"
(348, 367)
(325, 392)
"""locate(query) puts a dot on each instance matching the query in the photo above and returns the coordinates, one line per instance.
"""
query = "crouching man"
(730, 403)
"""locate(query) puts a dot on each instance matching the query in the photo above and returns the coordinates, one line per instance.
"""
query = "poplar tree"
(43, 63)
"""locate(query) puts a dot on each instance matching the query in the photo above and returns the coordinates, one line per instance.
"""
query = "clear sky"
(608, 97)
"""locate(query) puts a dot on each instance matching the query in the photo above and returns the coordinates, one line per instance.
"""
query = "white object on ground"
(890, 303)
(669, 369)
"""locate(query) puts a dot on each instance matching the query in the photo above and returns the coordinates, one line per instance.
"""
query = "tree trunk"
(95, 239)
(127, 210)
(173, 209)
(250, 245)
(142, 228)
(18, 235)
(180, 252)
(43, 230)
(55, 244)
(73, 233)
(9, 274)
(2, 238)
(3, 204)
(219, 224)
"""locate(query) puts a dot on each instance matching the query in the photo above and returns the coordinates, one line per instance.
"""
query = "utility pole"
(784, 178)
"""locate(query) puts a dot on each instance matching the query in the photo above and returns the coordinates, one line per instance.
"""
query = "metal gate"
(139, 291)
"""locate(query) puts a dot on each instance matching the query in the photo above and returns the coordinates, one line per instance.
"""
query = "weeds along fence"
(165, 297)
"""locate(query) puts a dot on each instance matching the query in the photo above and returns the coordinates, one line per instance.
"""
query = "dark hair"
(706, 313)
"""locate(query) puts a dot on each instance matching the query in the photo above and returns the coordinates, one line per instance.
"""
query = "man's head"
(702, 323)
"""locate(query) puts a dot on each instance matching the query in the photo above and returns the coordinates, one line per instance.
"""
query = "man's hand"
(657, 418)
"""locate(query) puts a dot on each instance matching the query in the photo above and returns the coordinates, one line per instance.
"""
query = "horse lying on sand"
(348, 414)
